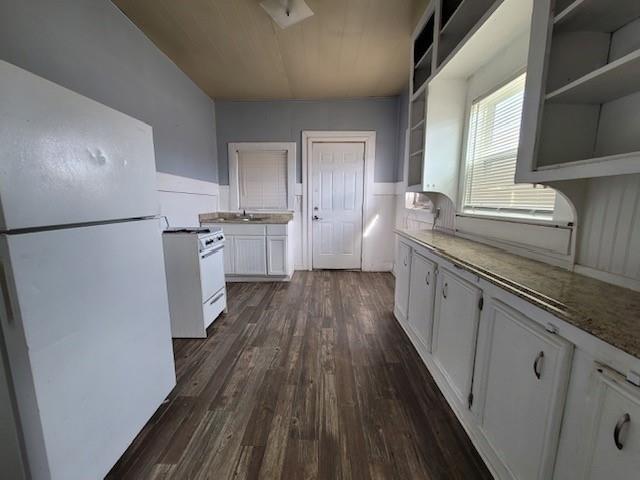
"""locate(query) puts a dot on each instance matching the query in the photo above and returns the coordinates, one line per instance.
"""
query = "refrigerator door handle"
(4, 286)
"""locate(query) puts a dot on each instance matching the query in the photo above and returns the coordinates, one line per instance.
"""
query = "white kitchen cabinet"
(422, 287)
(276, 255)
(520, 385)
(257, 251)
(229, 254)
(250, 255)
(613, 451)
(402, 271)
(455, 329)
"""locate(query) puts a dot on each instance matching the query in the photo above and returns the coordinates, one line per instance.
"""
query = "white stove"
(194, 262)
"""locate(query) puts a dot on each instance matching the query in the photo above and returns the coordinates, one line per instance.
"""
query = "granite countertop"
(606, 311)
(261, 218)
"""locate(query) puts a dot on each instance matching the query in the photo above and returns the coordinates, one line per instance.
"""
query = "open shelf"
(418, 125)
(596, 15)
(610, 165)
(460, 24)
(616, 79)
(449, 10)
(425, 59)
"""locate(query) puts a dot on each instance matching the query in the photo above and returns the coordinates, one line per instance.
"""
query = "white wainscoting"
(609, 233)
(378, 231)
(182, 199)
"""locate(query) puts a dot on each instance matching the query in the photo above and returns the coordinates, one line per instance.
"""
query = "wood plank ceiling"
(233, 50)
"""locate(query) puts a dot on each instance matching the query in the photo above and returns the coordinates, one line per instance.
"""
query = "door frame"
(309, 137)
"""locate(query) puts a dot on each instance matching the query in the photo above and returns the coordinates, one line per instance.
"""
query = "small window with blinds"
(262, 179)
(492, 148)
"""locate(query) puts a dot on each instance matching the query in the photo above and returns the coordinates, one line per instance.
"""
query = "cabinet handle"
(444, 290)
(427, 278)
(405, 261)
(622, 421)
(537, 365)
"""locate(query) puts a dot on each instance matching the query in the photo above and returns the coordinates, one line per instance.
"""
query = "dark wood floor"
(308, 379)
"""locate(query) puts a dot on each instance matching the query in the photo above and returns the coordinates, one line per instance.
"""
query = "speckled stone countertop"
(261, 218)
(606, 311)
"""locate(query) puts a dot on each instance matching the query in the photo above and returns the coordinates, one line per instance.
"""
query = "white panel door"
(66, 159)
(89, 327)
(337, 201)
(523, 375)
(614, 445)
(455, 330)
(250, 255)
(422, 287)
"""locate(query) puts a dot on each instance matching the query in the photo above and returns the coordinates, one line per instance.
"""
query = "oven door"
(212, 271)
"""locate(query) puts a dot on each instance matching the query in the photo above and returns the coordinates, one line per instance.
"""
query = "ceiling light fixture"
(286, 12)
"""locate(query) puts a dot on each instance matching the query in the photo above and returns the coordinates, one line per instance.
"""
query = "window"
(262, 179)
(492, 147)
(261, 176)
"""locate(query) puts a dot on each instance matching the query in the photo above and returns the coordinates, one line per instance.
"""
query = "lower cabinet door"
(422, 287)
(402, 270)
(229, 255)
(276, 255)
(250, 255)
(614, 444)
(455, 330)
(521, 384)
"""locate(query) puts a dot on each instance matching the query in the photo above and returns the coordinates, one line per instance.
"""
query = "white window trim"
(234, 187)
(511, 224)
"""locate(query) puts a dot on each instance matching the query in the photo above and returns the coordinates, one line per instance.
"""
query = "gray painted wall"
(403, 123)
(284, 121)
(90, 47)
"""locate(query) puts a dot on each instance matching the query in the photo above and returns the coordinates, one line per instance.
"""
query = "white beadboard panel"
(182, 199)
(609, 232)
(555, 240)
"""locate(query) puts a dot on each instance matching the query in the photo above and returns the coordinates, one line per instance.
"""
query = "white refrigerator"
(85, 333)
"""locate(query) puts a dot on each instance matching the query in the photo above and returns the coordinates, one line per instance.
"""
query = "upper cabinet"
(453, 40)
(581, 114)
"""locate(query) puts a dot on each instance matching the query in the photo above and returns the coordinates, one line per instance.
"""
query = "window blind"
(262, 179)
(492, 148)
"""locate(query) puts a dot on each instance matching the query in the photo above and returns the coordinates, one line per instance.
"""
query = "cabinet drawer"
(614, 443)
(212, 307)
(277, 230)
(240, 228)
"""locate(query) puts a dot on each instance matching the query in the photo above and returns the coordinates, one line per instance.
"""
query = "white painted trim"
(386, 188)
(167, 182)
(612, 278)
(233, 147)
(310, 137)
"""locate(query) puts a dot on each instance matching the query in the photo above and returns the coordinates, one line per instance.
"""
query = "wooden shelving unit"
(587, 74)
(444, 27)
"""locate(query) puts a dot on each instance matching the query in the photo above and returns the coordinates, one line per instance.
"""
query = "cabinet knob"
(537, 365)
(622, 421)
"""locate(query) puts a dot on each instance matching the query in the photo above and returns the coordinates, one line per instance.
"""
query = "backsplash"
(609, 232)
